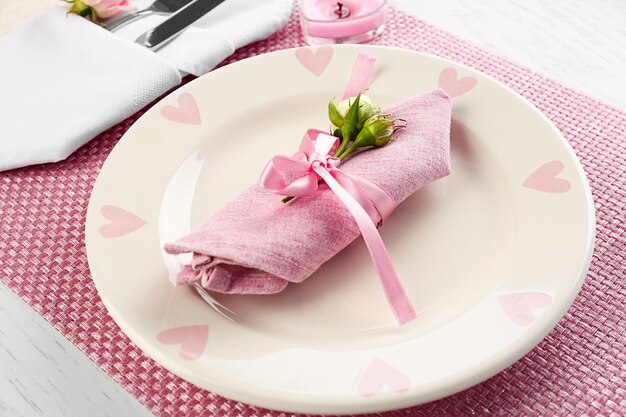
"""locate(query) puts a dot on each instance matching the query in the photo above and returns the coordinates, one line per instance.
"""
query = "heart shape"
(544, 178)
(122, 222)
(455, 86)
(379, 373)
(518, 305)
(192, 340)
(316, 62)
(187, 111)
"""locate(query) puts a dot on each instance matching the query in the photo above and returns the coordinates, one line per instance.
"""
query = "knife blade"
(176, 23)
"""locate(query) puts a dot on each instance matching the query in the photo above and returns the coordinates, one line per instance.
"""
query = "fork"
(157, 7)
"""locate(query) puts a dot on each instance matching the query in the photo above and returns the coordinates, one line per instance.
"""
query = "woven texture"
(579, 369)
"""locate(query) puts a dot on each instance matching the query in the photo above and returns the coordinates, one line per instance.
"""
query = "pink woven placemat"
(579, 369)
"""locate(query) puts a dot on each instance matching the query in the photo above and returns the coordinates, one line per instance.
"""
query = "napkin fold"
(216, 35)
(257, 245)
(64, 79)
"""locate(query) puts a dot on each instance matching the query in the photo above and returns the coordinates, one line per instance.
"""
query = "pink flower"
(105, 9)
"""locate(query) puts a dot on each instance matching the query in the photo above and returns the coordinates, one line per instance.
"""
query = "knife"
(176, 23)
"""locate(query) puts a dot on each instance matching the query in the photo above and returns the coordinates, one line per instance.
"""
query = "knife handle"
(178, 22)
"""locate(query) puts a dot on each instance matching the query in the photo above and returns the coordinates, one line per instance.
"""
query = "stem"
(287, 199)
(347, 151)
(342, 147)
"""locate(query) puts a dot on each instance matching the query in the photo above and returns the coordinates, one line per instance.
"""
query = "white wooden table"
(576, 42)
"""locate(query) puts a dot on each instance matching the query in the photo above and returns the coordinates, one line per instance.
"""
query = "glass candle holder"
(347, 21)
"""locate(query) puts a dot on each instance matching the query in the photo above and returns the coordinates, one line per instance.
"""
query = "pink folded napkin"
(257, 245)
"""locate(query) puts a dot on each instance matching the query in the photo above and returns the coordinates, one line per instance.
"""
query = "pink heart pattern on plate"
(454, 86)
(518, 305)
(316, 62)
(187, 111)
(122, 222)
(379, 374)
(192, 340)
(544, 178)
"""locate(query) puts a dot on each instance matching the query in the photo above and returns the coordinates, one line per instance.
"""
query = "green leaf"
(334, 116)
(349, 129)
(348, 132)
(353, 111)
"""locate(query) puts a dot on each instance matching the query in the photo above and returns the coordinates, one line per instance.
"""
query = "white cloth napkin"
(215, 36)
(64, 79)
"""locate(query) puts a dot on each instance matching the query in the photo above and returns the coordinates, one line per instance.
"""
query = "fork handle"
(124, 20)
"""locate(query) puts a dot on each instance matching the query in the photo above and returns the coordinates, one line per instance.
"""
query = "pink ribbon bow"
(368, 203)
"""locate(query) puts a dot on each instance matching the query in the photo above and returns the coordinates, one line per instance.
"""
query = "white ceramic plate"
(491, 256)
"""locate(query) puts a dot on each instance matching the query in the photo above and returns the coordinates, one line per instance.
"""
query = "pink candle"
(347, 21)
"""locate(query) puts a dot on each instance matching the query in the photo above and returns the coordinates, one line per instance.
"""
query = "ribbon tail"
(396, 296)
(360, 76)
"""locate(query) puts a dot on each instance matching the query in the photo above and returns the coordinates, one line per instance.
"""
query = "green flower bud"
(366, 112)
(367, 136)
(384, 138)
(349, 130)
(345, 104)
(377, 131)
(367, 109)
